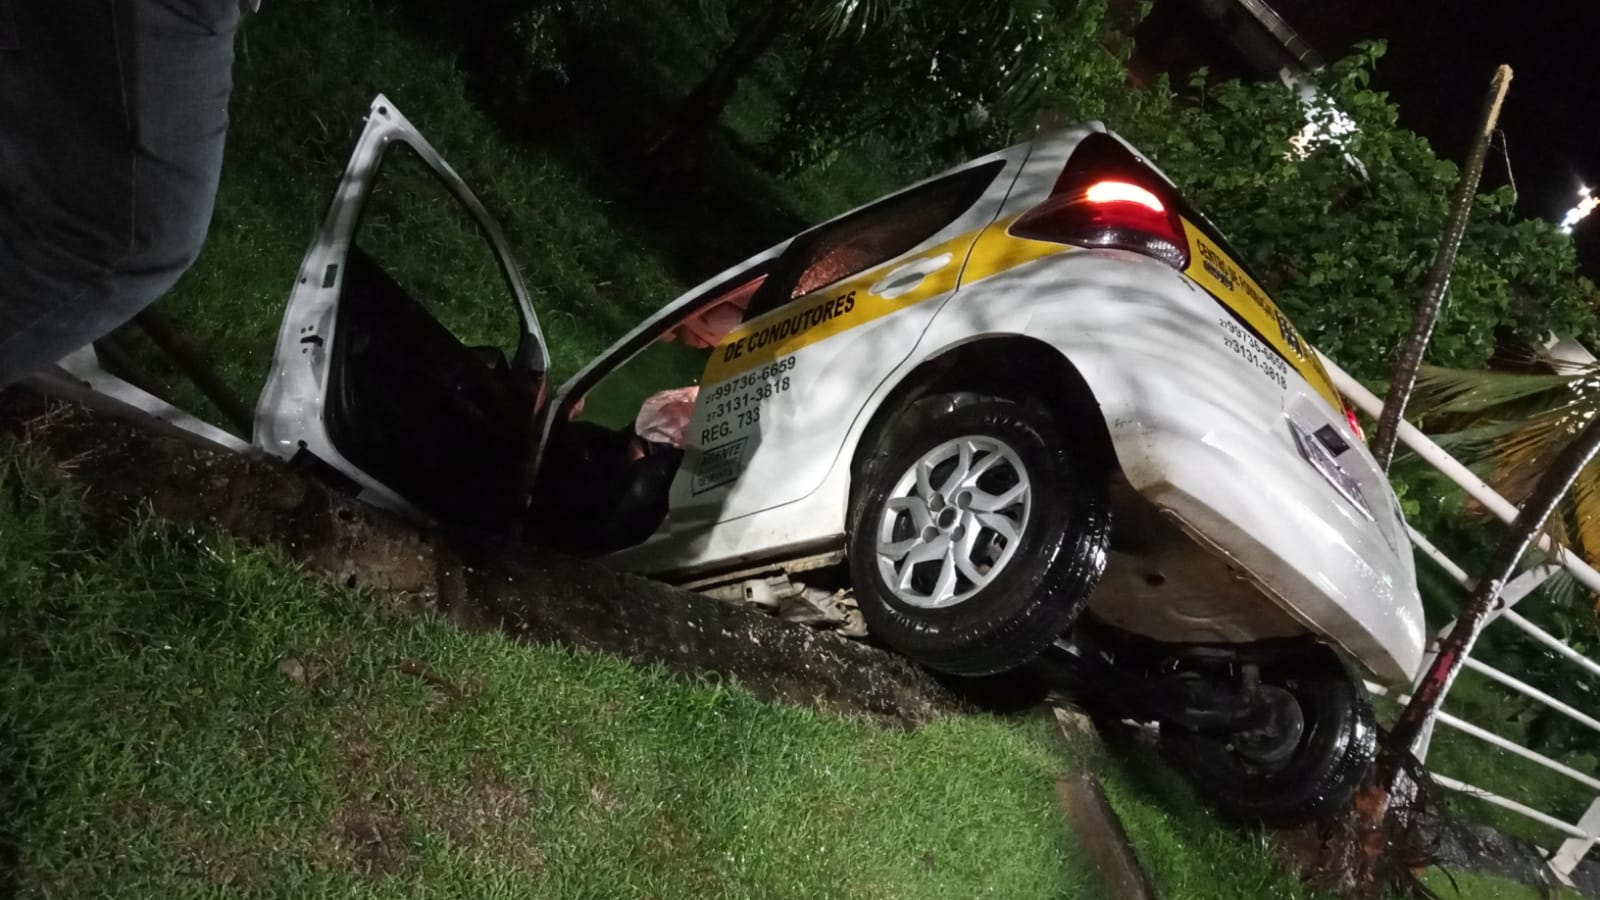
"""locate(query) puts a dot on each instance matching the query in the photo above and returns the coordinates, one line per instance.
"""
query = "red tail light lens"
(1107, 198)
(1355, 423)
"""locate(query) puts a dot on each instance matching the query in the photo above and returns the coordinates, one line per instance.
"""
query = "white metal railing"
(1531, 692)
(1479, 489)
(1585, 833)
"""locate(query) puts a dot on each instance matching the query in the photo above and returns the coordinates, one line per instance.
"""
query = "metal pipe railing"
(1436, 456)
(1516, 749)
(1549, 640)
(1523, 809)
(1496, 740)
(1533, 693)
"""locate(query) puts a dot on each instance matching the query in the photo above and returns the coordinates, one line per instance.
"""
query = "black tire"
(1333, 756)
(1059, 556)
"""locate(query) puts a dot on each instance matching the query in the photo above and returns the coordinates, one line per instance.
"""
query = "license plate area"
(1322, 459)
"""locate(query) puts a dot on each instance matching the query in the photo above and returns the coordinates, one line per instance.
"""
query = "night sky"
(1440, 59)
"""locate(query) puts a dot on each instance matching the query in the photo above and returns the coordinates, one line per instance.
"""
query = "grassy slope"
(162, 751)
(184, 717)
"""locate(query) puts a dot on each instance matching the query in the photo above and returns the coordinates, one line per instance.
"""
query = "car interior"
(442, 424)
(606, 474)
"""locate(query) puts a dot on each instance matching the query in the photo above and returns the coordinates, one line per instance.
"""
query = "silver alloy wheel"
(953, 521)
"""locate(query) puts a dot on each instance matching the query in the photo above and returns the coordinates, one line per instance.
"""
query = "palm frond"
(1474, 445)
(1586, 510)
(839, 18)
(1469, 392)
(1564, 590)
(1512, 425)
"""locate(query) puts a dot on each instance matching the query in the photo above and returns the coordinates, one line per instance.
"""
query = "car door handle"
(905, 279)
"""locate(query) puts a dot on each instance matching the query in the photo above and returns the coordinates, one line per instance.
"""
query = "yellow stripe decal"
(832, 310)
(998, 251)
(975, 256)
(1223, 279)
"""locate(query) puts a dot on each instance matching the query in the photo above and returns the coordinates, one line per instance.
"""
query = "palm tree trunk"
(680, 149)
(1444, 261)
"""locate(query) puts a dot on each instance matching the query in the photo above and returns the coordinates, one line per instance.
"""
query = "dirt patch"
(601, 795)
(484, 813)
(372, 842)
(530, 594)
(493, 803)
(490, 814)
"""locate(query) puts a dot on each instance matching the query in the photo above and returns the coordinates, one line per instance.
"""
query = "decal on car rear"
(1252, 309)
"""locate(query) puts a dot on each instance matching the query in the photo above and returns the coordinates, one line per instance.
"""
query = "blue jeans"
(112, 119)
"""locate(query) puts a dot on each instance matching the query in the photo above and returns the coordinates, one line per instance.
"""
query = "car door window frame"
(289, 411)
(384, 127)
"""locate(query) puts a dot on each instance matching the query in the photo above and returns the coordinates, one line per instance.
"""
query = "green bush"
(1343, 236)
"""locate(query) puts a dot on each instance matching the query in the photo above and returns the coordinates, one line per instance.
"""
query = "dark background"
(1440, 59)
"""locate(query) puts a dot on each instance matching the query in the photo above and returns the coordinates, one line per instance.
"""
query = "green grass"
(1187, 848)
(1467, 886)
(158, 750)
(186, 717)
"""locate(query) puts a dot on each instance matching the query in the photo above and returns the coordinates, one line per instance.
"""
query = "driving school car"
(1032, 403)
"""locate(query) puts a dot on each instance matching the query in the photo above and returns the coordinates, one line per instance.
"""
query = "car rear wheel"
(1306, 769)
(976, 534)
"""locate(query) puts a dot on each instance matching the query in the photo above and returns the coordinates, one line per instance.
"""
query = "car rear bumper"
(1303, 543)
(1199, 416)
(1219, 453)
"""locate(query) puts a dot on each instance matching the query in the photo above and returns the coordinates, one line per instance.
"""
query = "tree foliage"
(1341, 234)
(952, 79)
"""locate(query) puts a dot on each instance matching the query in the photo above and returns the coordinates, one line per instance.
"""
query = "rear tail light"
(1355, 423)
(1106, 198)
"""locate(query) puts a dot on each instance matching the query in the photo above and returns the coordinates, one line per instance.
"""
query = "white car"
(1033, 402)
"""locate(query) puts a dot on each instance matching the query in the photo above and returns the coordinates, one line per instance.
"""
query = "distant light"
(1587, 201)
(1325, 123)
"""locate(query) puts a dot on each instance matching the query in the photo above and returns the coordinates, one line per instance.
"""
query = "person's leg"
(112, 118)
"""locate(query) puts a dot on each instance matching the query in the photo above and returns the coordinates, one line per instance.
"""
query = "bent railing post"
(1524, 584)
(1455, 646)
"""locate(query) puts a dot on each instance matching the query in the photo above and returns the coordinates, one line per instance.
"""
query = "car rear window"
(872, 236)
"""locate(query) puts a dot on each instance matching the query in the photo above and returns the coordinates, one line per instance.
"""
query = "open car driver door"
(368, 379)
